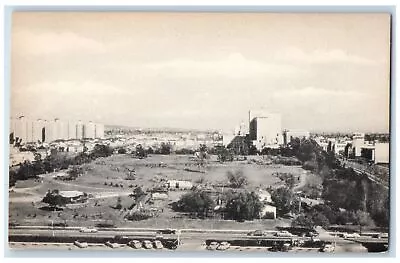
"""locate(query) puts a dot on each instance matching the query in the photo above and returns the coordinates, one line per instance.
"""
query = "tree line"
(56, 161)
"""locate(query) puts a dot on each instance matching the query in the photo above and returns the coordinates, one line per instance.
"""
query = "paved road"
(193, 235)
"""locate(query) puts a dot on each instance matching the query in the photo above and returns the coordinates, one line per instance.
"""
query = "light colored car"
(223, 246)
(147, 244)
(135, 244)
(112, 245)
(327, 248)
(257, 233)
(351, 235)
(212, 246)
(88, 230)
(283, 234)
(158, 244)
(81, 244)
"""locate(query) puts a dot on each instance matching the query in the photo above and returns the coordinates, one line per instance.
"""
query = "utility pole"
(52, 226)
(299, 204)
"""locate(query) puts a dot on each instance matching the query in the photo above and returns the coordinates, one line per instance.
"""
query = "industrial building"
(265, 129)
(27, 130)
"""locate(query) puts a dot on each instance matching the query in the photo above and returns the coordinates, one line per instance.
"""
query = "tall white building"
(358, 142)
(265, 129)
(89, 130)
(21, 131)
(71, 135)
(28, 130)
(99, 130)
(38, 131)
(79, 130)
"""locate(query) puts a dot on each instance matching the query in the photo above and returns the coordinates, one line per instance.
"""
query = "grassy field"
(25, 199)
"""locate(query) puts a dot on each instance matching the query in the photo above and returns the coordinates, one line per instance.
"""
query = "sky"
(322, 72)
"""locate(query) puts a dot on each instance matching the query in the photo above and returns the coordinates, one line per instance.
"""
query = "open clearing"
(25, 199)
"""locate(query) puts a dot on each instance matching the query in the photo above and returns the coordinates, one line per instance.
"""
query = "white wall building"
(89, 130)
(99, 130)
(40, 130)
(382, 151)
(265, 129)
(358, 142)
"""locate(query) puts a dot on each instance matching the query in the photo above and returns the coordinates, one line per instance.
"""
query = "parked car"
(158, 244)
(312, 234)
(327, 248)
(135, 244)
(256, 233)
(286, 247)
(81, 244)
(223, 246)
(88, 230)
(283, 234)
(166, 231)
(121, 239)
(112, 245)
(58, 224)
(147, 244)
(212, 246)
(282, 247)
(171, 245)
(380, 235)
(351, 235)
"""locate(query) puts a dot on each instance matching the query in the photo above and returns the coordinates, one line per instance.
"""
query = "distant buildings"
(357, 147)
(264, 131)
(289, 135)
(28, 130)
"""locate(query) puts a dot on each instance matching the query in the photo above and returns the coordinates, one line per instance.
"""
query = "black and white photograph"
(213, 132)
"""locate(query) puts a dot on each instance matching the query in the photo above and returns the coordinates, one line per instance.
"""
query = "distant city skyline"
(322, 72)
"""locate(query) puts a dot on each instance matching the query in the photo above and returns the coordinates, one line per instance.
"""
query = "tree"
(140, 152)
(243, 206)
(202, 155)
(150, 150)
(224, 154)
(119, 205)
(75, 172)
(237, 179)
(122, 151)
(138, 192)
(362, 219)
(101, 150)
(303, 221)
(283, 199)
(54, 199)
(165, 148)
(198, 203)
(320, 219)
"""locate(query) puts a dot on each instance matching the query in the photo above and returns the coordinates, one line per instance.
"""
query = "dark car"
(312, 234)
(166, 231)
(121, 239)
(59, 224)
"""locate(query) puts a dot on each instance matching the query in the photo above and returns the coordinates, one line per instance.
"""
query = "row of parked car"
(283, 233)
(136, 244)
(219, 246)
